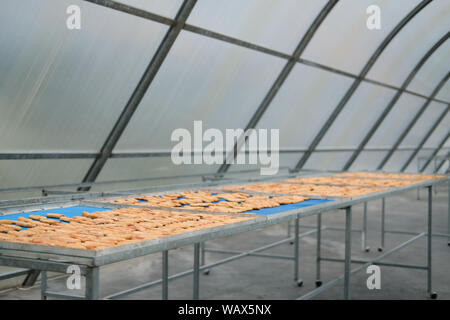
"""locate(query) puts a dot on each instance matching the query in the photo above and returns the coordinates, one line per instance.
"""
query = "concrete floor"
(262, 278)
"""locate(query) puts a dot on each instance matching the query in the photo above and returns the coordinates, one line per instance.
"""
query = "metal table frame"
(57, 259)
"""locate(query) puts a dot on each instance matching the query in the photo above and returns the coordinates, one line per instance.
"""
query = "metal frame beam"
(435, 152)
(159, 154)
(394, 100)
(427, 136)
(141, 89)
(412, 122)
(281, 79)
(442, 163)
(221, 37)
(132, 11)
(357, 82)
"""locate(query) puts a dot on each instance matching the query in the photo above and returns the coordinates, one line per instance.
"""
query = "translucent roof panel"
(167, 8)
(140, 168)
(396, 121)
(432, 72)
(279, 25)
(358, 116)
(327, 160)
(286, 160)
(439, 133)
(201, 79)
(367, 160)
(415, 165)
(64, 89)
(444, 168)
(411, 44)
(444, 93)
(344, 42)
(23, 173)
(397, 160)
(424, 124)
(303, 104)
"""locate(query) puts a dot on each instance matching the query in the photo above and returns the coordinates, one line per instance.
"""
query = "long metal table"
(58, 259)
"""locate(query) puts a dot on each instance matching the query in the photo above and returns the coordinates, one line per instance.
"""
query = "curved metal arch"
(241, 43)
(441, 164)
(435, 152)
(139, 92)
(424, 140)
(413, 122)
(306, 39)
(394, 100)
(358, 81)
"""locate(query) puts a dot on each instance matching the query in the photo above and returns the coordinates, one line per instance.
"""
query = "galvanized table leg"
(383, 214)
(289, 229)
(196, 271)
(43, 285)
(364, 246)
(348, 251)
(296, 254)
(318, 237)
(165, 275)
(435, 170)
(418, 170)
(203, 257)
(92, 283)
(432, 294)
(289, 232)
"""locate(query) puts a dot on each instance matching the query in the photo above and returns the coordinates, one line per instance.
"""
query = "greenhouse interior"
(224, 150)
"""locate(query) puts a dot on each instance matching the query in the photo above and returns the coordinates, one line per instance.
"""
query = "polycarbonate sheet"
(439, 133)
(367, 160)
(411, 44)
(64, 89)
(140, 168)
(303, 104)
(397, 160)
(358, 116)
(432, 72)
(24, 173)
(344, 42)
(417, 164)
(396, 121)
(167, 8)
(424, 124)
(279, 25)
(327, 160)
(432, 166)
(444, 168)
(288, 160)
(201, 79)
(444, 93)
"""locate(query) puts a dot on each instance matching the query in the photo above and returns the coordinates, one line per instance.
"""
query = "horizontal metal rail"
(100, 183)
(387, 264)
(221, 37)
(334, 282)
(253, 254)
(207, 266)
(168, 153)
(64, 296)
(13, 274)
(434, 234)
